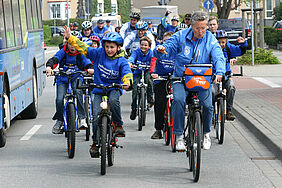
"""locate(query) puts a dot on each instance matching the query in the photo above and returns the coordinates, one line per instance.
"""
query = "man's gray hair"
(199, 16)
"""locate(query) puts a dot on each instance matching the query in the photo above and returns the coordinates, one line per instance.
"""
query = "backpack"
(160, 31)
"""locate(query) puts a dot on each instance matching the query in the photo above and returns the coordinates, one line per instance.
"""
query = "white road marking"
(31, 132)
(267, 82)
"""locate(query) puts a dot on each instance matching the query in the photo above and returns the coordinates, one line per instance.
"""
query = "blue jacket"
(167, 26)
(100, 32)
(164, 63)
(132, 41)
(137, 57)
(205, 51)
(69, 62)
(230, 51)
(126, 29)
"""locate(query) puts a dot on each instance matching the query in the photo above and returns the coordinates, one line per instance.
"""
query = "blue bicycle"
(70, 109)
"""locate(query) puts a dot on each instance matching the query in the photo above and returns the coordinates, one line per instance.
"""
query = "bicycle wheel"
(196, 148)
(87, 112)
(71, 129)
(188, 136)
(220, 121)
(110, 145)
(166, 131)
(103, 135)
(172, 140)
(141, 108)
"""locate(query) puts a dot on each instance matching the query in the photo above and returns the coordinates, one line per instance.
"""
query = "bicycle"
(70, 109)
(87, 104)
(169, 137)
(141, 96)
(195, 80)
(106, 128)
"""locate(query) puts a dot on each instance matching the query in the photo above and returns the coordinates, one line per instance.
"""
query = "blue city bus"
(21, 61)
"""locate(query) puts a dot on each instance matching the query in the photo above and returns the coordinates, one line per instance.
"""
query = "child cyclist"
(142, 55)
(69, 59)
(161, 65)
(230, 51)
(110, 67)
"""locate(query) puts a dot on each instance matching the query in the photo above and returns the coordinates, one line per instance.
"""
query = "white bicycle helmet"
(76, 34)
(86, 40)
(86, 25)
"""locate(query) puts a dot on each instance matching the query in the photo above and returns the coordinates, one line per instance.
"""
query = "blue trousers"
(61, 91)
(179, 105)
(114, 107)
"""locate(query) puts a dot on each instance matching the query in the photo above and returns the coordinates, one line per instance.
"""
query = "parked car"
(234, 29)
(278, 25)
(59, 30)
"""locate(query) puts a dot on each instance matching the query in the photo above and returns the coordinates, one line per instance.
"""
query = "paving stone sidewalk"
(261, 109)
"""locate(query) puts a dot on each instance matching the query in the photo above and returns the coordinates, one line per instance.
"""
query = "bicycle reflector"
(104, 103)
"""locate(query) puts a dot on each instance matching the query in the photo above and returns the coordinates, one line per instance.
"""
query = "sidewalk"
(259, 107)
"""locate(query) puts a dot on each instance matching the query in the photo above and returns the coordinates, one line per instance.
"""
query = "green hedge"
(47, 32)
(272, 37)
(262, 56)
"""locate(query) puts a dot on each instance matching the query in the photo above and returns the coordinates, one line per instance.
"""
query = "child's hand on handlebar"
(90, 71)
(49, 71)
(154, 76)
(218, 79)
(125, 87)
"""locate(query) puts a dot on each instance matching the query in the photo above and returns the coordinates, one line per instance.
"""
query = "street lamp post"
(252, 18)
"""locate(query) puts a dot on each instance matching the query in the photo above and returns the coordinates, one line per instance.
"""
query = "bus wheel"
(6, 116)
(31, 111)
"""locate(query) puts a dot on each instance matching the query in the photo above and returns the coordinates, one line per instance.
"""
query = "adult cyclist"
(130, 26)
(100, 29)
(174, 22)
(132, 41)
(194, 45)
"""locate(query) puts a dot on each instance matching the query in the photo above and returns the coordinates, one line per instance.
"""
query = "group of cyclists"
(102, 50)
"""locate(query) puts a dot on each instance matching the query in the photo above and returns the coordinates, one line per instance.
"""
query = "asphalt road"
(41, 159)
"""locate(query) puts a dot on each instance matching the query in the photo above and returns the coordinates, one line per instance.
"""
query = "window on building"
(55, 10)
(269, 8)
(114, 8)
(100, 8)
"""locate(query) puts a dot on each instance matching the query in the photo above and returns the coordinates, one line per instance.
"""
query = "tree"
(124, 10)
(278, 13)
(225, 6)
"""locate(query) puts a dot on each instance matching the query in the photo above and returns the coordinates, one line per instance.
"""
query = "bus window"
(17, 23)
(2, 28)
(23, 19)
(34, 14)
(28, 15)
(39, 14)
(10, 34)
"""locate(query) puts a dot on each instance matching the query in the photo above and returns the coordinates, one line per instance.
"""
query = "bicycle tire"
(70, 111)
(188, 135)
(103, 135)
(145, 108)
(110, 146)
(86, 108)
(221, 121)
(172, 140)
(196, 148)
(166, 132)
(141, 108)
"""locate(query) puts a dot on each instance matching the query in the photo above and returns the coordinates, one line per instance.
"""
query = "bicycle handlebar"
(63, 73)
(136, 66)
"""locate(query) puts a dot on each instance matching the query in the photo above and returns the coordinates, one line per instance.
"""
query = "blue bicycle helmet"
(113, 37)
(141, 25)
(220, 34)
(76, 34)
(86, 40)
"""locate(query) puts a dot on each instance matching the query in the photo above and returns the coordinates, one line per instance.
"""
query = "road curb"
(254, 126)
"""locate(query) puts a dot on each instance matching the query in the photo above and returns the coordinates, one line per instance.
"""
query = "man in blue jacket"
(100, 29)
(194, 45)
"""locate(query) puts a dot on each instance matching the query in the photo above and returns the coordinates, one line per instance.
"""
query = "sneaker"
(120, 131)
(94, 151)
(157, 135)
(83, 124)
(230, 116)
(180, 146)
(133, 114)
(207, 141)
(58, 128)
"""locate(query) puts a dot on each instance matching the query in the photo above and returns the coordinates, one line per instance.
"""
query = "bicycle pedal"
(180, 151)
(118, 146)
(120, 135)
